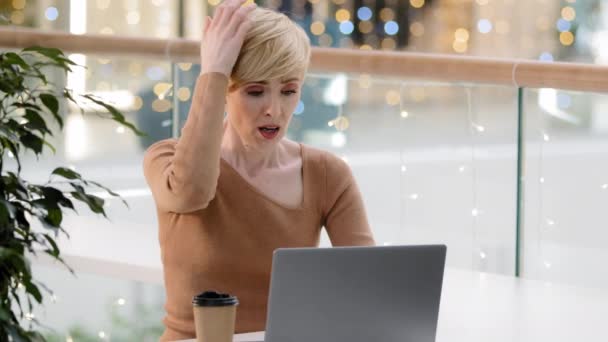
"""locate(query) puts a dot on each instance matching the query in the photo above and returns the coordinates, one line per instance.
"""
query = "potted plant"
(30, 113)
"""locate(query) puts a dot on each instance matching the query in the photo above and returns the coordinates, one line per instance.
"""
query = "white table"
(487, 307)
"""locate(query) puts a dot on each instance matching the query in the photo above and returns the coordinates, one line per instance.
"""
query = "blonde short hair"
(275, 47)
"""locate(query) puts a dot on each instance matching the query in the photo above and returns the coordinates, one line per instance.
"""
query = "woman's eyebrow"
(283, 82)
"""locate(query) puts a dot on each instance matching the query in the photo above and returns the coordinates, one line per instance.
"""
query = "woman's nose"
(274, 106)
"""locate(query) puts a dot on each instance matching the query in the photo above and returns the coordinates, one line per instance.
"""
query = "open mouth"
(269, 132)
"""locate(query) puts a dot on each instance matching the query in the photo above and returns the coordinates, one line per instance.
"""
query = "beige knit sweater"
(217, 231)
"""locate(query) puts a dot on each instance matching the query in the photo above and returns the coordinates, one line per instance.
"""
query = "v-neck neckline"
(302, 205)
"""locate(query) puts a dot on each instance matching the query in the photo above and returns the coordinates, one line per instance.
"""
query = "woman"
(232, 189)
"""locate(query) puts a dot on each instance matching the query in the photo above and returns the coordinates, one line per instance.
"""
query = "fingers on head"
(244, 27)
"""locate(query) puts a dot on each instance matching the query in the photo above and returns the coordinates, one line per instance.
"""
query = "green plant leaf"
(112, 193)
(6, 86)
(54, 250)
(26, 105)
(7, 212)
(35, 121)
(56, 196)
(45, 51)
(32, 289)
(54, 217)
(32, 141)
(115, 113)
(66, 173)
(95, 203)
(13, 58)
(50, 101)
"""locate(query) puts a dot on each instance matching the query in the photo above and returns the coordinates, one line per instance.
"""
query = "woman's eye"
(258, 93)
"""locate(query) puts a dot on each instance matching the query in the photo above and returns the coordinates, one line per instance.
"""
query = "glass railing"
(91, 307)
(566, 186)
(437, 162)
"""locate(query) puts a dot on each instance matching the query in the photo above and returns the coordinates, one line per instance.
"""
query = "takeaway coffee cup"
(214, 316)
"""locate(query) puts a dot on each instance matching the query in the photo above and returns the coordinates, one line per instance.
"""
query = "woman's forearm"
(183, 176)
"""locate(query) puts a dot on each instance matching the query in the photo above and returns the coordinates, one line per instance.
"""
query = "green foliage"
(30, 112)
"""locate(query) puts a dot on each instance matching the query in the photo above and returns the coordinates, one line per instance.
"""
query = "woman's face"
(260, 112)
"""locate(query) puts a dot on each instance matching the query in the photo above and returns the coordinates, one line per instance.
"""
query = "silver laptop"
(355, 294)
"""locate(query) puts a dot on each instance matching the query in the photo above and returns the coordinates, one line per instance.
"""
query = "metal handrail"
(436, 67)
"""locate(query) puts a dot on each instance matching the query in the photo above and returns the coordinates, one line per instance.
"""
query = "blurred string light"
(317, 28)
(133, 17)
(546, 57)
(484, 26)
(342, 15)
(417, 3)
(387, 14)
(364, 13)
(393, 97)
(568, 13)
(325, 40)
(138, 102)
(461, 34)
(18, 4)
(347, 27)
(51, 13)
(388, 44)
(183, 94)
(338, 139)
(366, 26)
(566, 38)
(461, 38)
(161, 89)
(391, 28)
(184, 66)
(155, 73)
(563, 25)
(17, 17)
(365, 81)
(417, 29)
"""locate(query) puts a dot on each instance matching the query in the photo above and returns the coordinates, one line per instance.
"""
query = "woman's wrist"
(214, 70)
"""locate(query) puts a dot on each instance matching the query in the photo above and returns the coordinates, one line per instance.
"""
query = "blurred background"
(436, 162)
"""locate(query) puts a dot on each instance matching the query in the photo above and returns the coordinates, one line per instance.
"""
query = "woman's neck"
(250, 159)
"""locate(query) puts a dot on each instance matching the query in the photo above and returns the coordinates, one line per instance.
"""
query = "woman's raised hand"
(223, 36)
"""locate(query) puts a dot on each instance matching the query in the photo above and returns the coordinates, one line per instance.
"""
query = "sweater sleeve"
(183, 174)
(344, 213)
